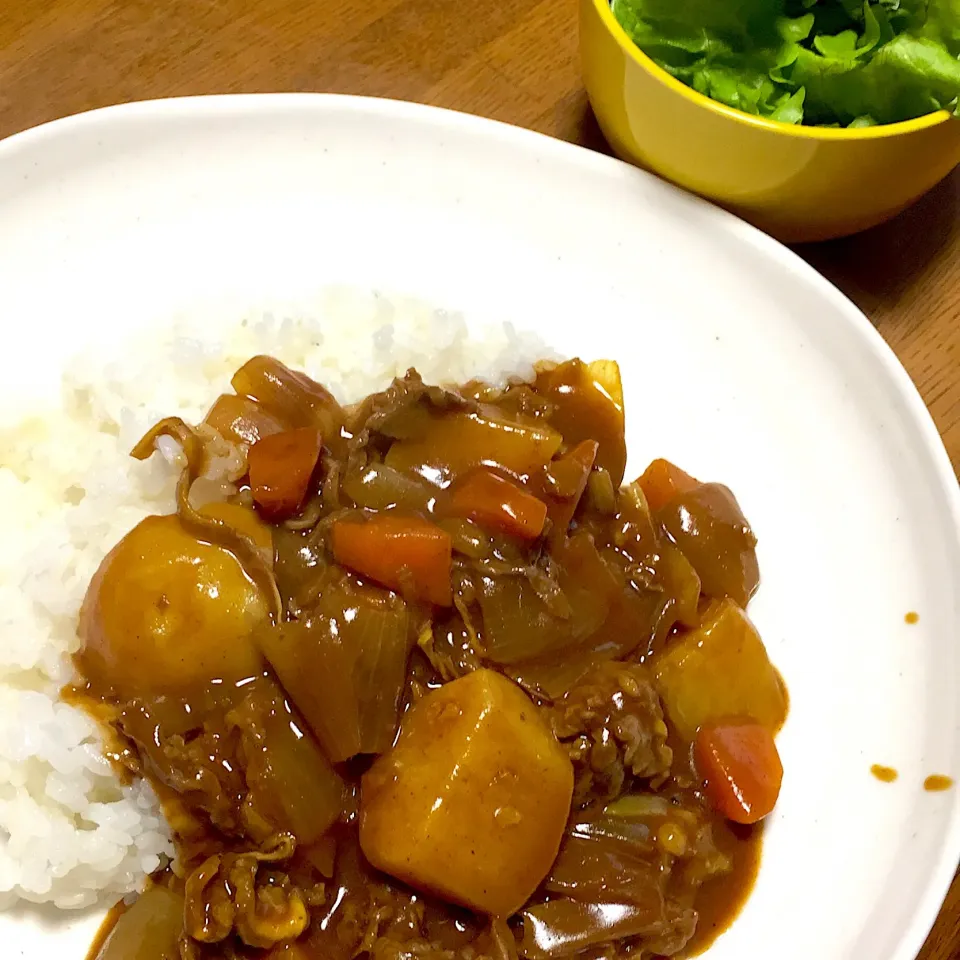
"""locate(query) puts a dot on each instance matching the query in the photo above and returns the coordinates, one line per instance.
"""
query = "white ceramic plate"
(739, 362)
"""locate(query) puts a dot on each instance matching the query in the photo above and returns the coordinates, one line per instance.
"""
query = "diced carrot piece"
(573, 468)
(741, 769)
(404, 553)
(662, 481)
(498, 504)
(280, 468)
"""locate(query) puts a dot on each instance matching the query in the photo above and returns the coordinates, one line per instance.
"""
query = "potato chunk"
(719, 671)
(471, 803)
(587, 400)
(166, 611)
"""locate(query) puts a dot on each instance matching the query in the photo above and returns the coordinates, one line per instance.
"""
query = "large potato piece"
(719, 671)
(166, 611)
(471, 803)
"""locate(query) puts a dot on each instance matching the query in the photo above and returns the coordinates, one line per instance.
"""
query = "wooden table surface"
(514, 60)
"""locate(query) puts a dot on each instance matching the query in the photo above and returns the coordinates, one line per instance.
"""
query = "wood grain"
(514, 60)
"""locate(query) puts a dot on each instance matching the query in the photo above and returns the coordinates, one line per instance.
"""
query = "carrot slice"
(740, 767)
(406, 554)
(498, 504)
(280, 467)
(662, 481)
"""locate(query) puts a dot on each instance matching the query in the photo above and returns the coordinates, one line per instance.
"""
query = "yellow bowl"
(797, 183)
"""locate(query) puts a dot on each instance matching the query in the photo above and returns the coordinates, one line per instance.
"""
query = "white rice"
(70, 834)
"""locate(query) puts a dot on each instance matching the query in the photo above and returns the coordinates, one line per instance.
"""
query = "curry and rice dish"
(423, 678)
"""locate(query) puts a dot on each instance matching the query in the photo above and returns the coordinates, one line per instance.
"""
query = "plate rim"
(877, 351)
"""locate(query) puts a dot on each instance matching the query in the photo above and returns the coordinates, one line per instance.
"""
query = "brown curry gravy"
(718, 902)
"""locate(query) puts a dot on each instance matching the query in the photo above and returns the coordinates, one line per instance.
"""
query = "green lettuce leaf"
(829, 62)
(907, 77)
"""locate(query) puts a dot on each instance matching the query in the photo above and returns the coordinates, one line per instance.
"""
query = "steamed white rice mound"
(70, 834)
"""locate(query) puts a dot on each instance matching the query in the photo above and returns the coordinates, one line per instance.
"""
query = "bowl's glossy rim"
(878, 132)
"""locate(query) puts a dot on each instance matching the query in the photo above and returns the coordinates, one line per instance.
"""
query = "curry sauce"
(423, 677)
